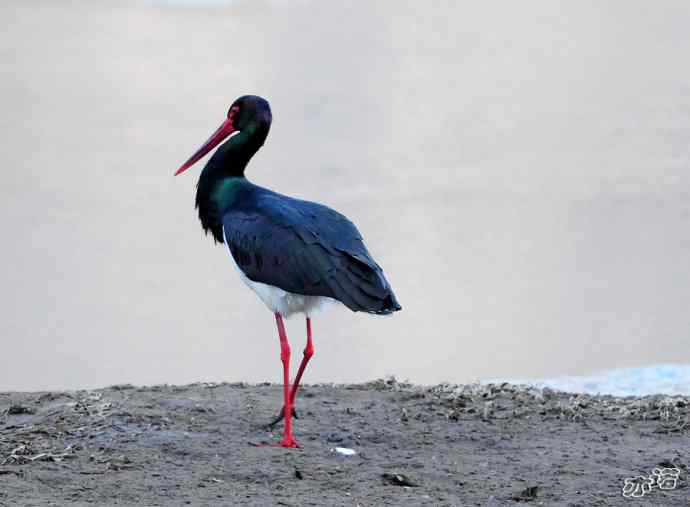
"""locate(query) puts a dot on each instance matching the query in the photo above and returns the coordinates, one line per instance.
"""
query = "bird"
(297, 256)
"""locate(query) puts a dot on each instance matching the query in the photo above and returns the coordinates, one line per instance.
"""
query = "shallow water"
(669, 379)
(520, 173)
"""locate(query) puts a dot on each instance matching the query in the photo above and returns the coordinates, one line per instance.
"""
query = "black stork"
(296, 255)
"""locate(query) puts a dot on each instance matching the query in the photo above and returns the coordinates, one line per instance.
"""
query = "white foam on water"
(669, 379)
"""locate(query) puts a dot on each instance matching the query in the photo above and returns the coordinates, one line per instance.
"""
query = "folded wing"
(307, 248)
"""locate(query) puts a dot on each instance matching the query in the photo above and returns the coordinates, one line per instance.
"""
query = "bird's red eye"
(233, 111)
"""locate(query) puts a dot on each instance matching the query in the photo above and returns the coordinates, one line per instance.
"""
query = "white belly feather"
(280, 301)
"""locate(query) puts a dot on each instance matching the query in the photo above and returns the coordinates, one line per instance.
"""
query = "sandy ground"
(441, 445)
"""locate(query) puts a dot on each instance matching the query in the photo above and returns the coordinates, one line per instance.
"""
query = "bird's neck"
(223, 174)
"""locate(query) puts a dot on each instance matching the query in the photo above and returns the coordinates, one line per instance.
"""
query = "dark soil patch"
(439, 446)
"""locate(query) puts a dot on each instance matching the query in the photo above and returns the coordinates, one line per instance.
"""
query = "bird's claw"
(290, 443)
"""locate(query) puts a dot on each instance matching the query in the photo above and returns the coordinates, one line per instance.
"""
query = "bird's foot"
(280, 417)
(289, 442)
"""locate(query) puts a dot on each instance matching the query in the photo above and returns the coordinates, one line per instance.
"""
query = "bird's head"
(249, 113)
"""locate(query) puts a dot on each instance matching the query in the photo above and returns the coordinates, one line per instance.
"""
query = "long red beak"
(223, 131)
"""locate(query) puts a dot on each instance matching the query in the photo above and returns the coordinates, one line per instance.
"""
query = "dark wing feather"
(306, 248)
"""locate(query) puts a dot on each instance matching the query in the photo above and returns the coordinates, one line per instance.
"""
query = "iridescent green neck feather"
(223, 175)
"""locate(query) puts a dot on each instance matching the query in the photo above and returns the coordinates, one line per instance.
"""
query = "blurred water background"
(521, 171)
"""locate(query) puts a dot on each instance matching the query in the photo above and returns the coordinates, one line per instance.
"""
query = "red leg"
(308, 352)
(288, 440)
